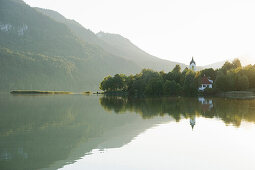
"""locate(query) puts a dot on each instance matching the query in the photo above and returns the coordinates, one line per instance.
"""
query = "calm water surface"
(108, 133)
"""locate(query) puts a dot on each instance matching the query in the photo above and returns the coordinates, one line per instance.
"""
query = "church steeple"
(192, 65)
(192, 61)
(192, 121)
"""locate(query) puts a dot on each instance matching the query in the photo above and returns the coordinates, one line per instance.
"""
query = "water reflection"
(52, 131)
(231, 111)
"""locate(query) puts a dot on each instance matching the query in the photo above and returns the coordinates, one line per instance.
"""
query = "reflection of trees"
(234, 111)
(230, 111)
(150, 107)
(37, 131)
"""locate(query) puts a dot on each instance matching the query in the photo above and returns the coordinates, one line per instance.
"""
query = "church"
(192, 65)
(205, 81)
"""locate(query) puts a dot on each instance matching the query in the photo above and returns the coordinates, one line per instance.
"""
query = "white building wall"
(204, 86)
(193, 67)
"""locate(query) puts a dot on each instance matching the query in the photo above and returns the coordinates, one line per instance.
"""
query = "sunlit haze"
(176, 30)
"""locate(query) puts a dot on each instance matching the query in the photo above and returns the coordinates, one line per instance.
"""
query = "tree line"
(230, 77)
(231, 111)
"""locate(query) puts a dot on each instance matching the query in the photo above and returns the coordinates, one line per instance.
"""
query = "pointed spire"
(192, 61)
(192, 126)
(192, 122)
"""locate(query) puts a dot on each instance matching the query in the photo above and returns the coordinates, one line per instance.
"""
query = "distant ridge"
(244, 60)
(39, 53)
(215, 65)
(114, 44)
(42, 50)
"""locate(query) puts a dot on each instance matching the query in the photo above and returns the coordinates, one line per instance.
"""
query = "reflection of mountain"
(230, 111)
(115, 137)
(42, 131)
(51, 131)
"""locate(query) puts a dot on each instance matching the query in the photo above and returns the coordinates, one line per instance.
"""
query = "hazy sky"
(209, 30)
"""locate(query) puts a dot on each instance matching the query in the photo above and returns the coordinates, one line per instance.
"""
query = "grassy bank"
(238, 94)
(39, 92)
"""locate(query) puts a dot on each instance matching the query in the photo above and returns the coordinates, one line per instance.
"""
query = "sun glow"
(174, 30)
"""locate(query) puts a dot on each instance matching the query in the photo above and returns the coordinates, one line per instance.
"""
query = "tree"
(154, 87)
(221, 81)
(171, 88)
(189, 86)
(106, 84)
(138, 87)
(232, 76)
(242, 82)
(210, 73)
(227, 66)
(183, 74)
(230, 83)
(249, 71)
(148, 74)
(177, 69)
(176, 74)
(236, 63)
(119, 81)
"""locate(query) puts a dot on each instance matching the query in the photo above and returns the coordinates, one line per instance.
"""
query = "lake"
(115, 133)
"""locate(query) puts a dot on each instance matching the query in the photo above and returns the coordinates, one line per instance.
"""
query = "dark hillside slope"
(36, 52)
(114, 44)
(124, 47)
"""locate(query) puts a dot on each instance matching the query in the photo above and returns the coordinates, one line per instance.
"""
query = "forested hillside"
(36, 52)
(114, 44)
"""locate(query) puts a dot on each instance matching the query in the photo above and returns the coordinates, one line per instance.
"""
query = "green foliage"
(49, 55)
(189, 86)
(55, 53)
(221, 82)
(234, 77)
(230, 66)
(210, 92)
(236, 63)
(249, 71)
(242, 82)
(210, 73)
(118, 82)
(231, 77)
(171, 88)
(231, 111)
(152, 83)
(154, 87)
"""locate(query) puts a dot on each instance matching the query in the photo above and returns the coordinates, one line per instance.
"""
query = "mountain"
(122, 46)
(215, 65)
(244, 61)
(114, 44)
(37, 52)
(52, 131)
(40, 49)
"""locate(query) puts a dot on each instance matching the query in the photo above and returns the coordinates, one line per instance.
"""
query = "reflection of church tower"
(192, 65)
(192, 121)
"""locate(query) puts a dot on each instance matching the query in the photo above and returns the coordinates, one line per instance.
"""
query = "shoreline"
(237, 95)
(39, 92)
(230, 95)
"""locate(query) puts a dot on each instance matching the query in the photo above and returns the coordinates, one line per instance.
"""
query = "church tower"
(192, 121)
(192, 65)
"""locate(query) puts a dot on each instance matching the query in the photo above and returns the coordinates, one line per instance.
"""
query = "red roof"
(205, 80)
